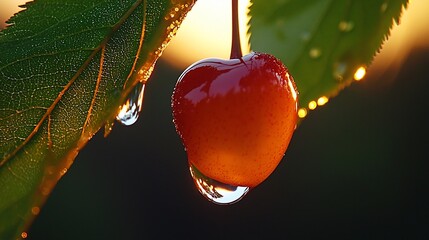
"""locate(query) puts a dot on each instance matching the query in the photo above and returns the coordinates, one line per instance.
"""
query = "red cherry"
(236, 117)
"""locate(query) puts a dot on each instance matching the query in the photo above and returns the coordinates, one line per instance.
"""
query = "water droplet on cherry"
(129, 112)
(215, 191)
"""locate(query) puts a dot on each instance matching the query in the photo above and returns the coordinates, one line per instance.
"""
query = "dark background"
(356, 168)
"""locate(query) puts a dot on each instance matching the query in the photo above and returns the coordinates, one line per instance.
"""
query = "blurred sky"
(356, 168)
(206, 30)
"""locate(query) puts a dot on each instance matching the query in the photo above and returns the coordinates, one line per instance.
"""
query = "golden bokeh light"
(359, 74)
(35, 210)
(206, 32)
(312, 105)
(302, 112)
(322, 100)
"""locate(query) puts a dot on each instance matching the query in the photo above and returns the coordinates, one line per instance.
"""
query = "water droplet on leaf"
(63, 171)
(322, 100)
(383, 7)
(340, 69)
(315, 53)
(130, 110)
(215, 191)
(312, 105)
(302, 112)
(35, 210)
(345, 26)
(108, 127)
(305, 36)
(360, 73)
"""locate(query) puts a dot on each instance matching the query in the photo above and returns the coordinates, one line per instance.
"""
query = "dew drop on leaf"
(108, 126)
(129, 112)
(383, 7)
(302, 112)
(359, 74)
(35, 210)
(340, 69)
(315, 53)
(305, 36)
(215, 191)
(345, 26)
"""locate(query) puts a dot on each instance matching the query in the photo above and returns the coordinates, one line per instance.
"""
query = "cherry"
(236, 117)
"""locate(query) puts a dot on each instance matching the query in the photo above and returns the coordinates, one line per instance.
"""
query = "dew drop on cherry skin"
(235, 118)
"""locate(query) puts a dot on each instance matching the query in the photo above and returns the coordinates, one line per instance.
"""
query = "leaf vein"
(70, 83)
(97, 85)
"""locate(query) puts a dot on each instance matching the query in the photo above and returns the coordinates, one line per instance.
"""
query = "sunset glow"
(206, 32)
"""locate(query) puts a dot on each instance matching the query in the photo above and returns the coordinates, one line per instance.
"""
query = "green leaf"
(65, 68)
(323, 43)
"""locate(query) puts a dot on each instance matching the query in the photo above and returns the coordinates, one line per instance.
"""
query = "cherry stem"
(235, 46)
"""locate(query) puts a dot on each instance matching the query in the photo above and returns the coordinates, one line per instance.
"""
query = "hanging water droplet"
(215, 191)
(130, 110)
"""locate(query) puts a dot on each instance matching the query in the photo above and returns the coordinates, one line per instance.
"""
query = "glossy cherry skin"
(236, 117)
